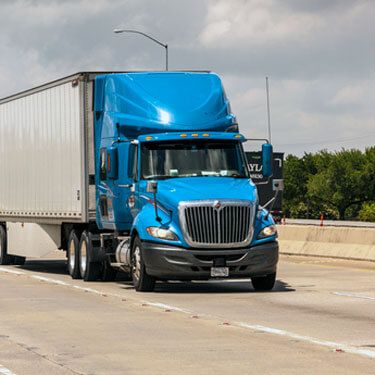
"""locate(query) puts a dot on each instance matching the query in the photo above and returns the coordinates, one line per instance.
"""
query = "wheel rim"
(83, 256)
(137, 263)
(72, 256)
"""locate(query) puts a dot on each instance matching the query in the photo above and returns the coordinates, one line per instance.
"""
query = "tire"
(141, 280)
(89, 270)
(109, 273)
(5, 259)
(264, 283)
(18, 261)
(73, 255)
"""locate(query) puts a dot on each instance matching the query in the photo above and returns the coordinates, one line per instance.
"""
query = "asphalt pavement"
(320, 318)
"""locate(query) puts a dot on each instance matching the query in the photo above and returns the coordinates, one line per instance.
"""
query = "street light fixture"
(119, 31)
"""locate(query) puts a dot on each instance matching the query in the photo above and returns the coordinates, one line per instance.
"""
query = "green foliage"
(334, 183)
(367, 212)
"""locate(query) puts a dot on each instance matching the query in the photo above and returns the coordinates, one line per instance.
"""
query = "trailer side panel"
(42, 155)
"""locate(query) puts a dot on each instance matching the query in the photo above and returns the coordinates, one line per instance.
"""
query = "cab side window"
(133, 162)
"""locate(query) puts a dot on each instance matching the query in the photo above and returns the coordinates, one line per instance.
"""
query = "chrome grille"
(217, 223)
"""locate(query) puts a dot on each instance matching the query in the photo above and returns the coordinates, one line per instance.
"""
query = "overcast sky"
(318, 54)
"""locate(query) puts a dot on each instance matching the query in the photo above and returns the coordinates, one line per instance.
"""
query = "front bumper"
(176, 263)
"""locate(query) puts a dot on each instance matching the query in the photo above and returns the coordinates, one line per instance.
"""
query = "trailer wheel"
(141, 280)
(73, 255)
(108, 273)
(5, 259)
(264, 283)
(90, 271)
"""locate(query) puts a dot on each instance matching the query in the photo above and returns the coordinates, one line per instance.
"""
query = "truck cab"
(173, 190)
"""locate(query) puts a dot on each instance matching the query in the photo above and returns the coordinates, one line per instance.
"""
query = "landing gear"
(5, 258)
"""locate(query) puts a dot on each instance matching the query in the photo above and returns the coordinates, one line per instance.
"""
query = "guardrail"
(331, 223)
(346, 242)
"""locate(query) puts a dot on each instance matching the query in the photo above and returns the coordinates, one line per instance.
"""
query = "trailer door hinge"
(78, 195)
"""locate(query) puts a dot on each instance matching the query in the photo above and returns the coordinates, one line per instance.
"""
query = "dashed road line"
(9, 270)
(5, 371)
(311, 340)
(353, 295)
(49, 280)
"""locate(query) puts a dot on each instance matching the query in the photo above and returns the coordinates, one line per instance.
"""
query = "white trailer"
(46, 163)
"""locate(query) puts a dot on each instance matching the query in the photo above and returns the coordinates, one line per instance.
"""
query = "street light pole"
(119, 31)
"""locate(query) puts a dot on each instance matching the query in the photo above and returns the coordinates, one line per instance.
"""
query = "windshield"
(192, 159)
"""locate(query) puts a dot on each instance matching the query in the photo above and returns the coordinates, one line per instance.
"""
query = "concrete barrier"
(334, 242)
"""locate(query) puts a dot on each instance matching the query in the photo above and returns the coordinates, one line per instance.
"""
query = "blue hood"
(175, 190)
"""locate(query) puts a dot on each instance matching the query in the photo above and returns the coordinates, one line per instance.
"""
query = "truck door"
(132, 200)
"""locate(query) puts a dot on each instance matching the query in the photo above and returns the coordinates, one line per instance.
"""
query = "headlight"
(164, 234)
(268, 231)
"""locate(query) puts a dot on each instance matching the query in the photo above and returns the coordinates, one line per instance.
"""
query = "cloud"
(318, 54)
(254, 22)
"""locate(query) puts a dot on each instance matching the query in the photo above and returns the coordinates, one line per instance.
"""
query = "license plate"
(219, 271)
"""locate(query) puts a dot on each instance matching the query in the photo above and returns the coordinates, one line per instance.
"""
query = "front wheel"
(141, 280)
(264, 283)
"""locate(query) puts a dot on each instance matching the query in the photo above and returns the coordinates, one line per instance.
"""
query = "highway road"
(320, 318)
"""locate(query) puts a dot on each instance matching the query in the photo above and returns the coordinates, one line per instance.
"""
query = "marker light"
(195, 135)
(148, 138)
(183, 135)
(238, 136)
(205, 135)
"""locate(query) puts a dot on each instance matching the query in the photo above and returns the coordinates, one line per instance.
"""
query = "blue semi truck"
(142, 172)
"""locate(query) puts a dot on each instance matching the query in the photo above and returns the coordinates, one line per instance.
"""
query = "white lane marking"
(167, 307)
(353, 295)
(9, 270)
(88, 290)
(48, 280)
(254, 327)
(311, 340)
(5, 371)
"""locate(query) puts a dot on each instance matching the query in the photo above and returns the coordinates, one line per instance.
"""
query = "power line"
(339, 140)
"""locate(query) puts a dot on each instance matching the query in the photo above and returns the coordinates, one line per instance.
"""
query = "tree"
(341, 181)
(367, 212)
(296, 175)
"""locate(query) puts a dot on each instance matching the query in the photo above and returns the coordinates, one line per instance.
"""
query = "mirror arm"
(272, 202)
(264, 182)
(258, 140)
(157, 217)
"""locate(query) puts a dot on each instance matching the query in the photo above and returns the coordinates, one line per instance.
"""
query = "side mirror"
(152, 187)
(267, 159)
(112, 163)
